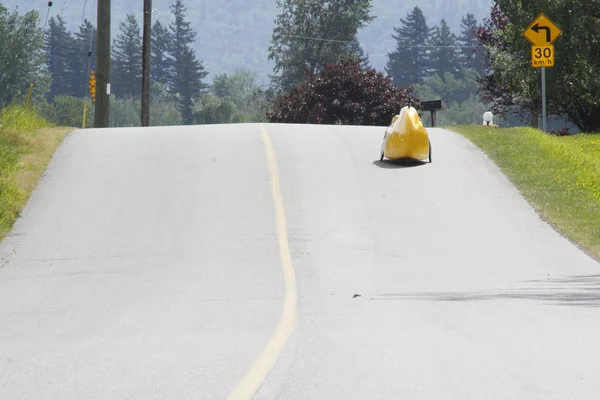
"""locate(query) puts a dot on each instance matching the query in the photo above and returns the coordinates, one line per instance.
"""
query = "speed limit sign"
(542, 56)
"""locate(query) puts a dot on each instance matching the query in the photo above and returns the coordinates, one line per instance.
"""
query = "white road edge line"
(264, 363)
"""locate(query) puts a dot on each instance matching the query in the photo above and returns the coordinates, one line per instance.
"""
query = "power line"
(318, 39)
(83, 13)
(47, 14)
(91, 34)
(399, 45)
(43, 35)
(433, 47)
(63, 7)
(223, 24)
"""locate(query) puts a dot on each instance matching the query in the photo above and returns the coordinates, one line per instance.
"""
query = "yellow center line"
(261, 367)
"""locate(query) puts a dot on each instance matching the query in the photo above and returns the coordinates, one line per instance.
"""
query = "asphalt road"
(153, 264)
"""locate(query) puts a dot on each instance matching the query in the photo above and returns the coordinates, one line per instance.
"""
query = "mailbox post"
(432, 106)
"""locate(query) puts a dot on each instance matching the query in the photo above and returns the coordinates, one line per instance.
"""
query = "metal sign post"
(542, 32)
(432, 106)
(544, 99)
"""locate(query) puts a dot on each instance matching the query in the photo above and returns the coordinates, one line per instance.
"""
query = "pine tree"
(58, 46)
(161, 63)
(190, 83)
(188, 72)
(409, 64)
(444, 54)
(472, 53)
(127, 59)
(82, 57)
(358, 52)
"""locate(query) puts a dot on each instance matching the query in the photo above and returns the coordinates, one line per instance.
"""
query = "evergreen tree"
(311, 34)
(444, 54)
(161, 63)
(409, 64)
(190, 83)
(357, 51)
(188, 71)
(81, 58)
(127, 59)
(58, 46)
(472, 53)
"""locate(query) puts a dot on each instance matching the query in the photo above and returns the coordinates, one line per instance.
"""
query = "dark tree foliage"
(472, 55)
(68, 57)
(81, 58)
(161, 63)
(410, 63)
(187, 71)
(127, 59)
(489, 34)
(444, 55)
(309, 34)
(190, 83)
(58, 46)
(572, 85)
(342, 93)
(356, 50)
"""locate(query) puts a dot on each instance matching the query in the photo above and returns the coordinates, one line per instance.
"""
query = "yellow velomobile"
(406, 137)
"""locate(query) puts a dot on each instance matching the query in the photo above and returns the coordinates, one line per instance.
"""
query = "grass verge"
(27, 143)
(558, 175)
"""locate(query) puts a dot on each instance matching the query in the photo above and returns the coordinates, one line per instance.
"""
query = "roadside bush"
(67, 111)
(215, 110)
(124, 112)
(343, 93)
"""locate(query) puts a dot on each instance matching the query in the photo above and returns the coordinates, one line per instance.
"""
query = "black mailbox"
(432, 106)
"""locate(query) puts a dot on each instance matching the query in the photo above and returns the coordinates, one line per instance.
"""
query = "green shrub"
(68, 111)
(18, 118)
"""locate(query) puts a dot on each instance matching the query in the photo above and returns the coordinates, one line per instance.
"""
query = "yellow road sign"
(542, 31)
(542, 56)
(92, 86)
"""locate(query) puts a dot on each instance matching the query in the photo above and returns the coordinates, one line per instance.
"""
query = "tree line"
(58, 62)
(483, 66)
(312, 34)
(174, 63)
(179, 93)
(432, 60)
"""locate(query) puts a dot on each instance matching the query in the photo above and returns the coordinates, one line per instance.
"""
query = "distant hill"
(235, 34)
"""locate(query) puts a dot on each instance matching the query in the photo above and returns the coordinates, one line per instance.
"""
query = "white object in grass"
(488, 118)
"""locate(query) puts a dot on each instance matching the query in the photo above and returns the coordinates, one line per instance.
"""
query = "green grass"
(27, 143)
(558, 175)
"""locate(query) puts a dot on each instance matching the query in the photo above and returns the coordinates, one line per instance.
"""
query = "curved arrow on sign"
(537, 28)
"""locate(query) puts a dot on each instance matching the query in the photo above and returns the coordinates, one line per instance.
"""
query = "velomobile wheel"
(429, 150)
(381, 159)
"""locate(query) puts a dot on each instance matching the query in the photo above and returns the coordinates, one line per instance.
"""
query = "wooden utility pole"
(146, 63)
(101, 110)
